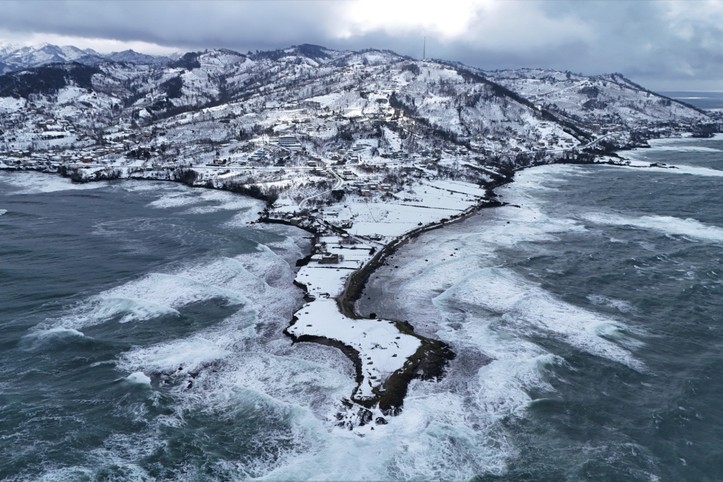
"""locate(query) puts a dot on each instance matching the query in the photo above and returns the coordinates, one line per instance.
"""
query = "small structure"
(331, 258)
(290, 143)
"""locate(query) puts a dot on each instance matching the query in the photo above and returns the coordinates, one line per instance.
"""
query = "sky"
(662, 44)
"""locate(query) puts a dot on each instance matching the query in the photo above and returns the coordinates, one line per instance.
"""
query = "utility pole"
(424, 49)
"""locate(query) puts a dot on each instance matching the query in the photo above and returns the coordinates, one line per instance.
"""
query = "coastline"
(428, 360)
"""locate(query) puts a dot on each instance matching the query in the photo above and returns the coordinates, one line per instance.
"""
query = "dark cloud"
(665, 44)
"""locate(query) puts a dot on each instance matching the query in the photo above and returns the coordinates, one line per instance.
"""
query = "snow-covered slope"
(596, 101)
(15, 57)
(20, 58)
(371, 102)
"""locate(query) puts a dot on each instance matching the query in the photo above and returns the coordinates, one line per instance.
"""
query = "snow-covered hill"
(14, 58)
(371, 102)
(598, 102)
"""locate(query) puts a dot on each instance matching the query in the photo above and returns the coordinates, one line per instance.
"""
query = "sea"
(706, 100)
(142, 334)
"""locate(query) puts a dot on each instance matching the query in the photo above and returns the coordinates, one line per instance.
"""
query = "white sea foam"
(3, 211)
(107, 307)
(262, 280)
(66, 474)
(161, 294)
(175, 199)
(243, 218)
(694, 171)
(641, 162)
(600, 300)
(527, 308)
(678, 148)
(111, 468)
(139, 378)
(189, 355)
(174, 290)
(58, 332)
(203, 201)
(688, 227)
(224, 201)
(37, 183)
(44, 336)
(260, 373)
(147, 186)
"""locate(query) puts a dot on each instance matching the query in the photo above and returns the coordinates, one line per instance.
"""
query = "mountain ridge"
(514, 110)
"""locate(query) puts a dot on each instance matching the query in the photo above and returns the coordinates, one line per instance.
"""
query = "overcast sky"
(665, 45)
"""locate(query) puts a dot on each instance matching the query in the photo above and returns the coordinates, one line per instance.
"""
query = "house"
(290, 143)
(331, 258)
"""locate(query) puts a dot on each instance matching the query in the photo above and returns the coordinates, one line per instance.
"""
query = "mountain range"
(14, 57)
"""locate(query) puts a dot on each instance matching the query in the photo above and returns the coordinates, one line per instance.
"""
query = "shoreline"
(428, 360)
(432, 357)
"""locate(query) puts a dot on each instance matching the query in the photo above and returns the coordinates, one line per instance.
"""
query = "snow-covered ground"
(383, 349)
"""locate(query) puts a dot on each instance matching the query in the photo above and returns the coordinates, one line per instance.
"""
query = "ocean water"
(141, 334)
(588, 320)
(701, 100)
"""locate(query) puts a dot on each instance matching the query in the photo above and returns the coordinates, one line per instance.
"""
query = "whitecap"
(688, 227)
(205, 201)
(600, 300)
(41, 337)
(672, 168)
(674, 148)
(39, 183)
(694, 171)
(527, 308)
(107, 307)
(175, 200)
(186, 355)
(3, 211)
(138, 378)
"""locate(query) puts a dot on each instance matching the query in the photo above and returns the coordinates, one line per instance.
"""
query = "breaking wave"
(52, 337)
(657, 146)
(162, 294)
(687, 227)
(696, 171)
(206, 201)
(526, 308)
(677, 169)
(36, 183)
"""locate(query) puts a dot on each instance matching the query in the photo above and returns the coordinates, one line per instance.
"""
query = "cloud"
(663, 42)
